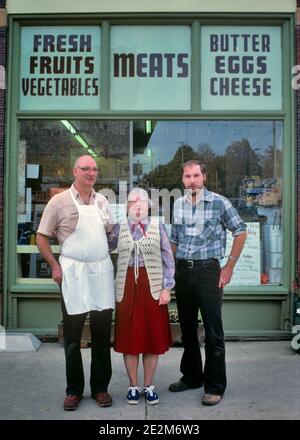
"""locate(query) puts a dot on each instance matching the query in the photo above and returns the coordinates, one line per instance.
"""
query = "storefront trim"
(13, 292)
(258, 324)
(230, 6)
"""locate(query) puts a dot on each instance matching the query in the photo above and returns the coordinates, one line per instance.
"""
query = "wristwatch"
(231, 257)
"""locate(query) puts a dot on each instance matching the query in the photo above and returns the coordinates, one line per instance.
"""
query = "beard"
(194, 191)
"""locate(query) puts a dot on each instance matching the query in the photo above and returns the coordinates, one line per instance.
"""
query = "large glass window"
(47, 152)
(244, 161)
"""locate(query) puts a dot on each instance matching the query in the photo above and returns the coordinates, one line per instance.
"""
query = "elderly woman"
(145, 275)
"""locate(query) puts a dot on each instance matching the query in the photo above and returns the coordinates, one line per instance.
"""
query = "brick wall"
(3, 33)
(298, 142)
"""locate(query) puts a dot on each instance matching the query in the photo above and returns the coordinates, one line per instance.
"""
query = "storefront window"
(244, 161)
(47, 152)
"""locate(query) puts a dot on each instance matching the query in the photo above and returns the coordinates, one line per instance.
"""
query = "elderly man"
(78, 218)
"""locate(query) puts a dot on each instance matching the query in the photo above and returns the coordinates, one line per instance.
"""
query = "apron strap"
(77, 204)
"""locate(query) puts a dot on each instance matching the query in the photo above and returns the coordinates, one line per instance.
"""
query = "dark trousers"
(100, 374)
(197, 288)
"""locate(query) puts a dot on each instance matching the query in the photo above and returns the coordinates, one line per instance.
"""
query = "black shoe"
(181, 386)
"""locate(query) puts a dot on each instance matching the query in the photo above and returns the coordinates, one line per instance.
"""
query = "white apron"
(88, 274)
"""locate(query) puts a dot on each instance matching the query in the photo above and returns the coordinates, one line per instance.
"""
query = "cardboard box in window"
(40, 197)
(269, 198)
(54, 191)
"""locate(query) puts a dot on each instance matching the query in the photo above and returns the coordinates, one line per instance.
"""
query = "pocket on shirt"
(212, 229)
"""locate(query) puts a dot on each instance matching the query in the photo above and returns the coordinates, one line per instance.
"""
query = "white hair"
(141, 193)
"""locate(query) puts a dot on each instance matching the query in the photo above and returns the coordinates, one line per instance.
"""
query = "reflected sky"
(168, 136)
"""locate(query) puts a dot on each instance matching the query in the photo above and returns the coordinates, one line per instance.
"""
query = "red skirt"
(141, 324)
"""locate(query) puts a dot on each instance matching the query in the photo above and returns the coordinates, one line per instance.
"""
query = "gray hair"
(141, 193)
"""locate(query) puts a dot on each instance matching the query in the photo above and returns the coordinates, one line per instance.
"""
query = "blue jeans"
(197, 288)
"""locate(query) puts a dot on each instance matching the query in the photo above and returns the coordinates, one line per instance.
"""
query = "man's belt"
(190, 264)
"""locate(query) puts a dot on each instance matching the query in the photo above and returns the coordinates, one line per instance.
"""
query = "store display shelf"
(33, 249)
(254, 190)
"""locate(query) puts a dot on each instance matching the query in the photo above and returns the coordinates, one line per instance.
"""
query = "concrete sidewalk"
(263, 384)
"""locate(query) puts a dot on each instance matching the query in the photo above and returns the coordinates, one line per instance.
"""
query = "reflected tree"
(271, 162)
(241, 161)
(170, 175)
(215, 167)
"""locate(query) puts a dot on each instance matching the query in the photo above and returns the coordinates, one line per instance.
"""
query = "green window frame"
(286, 116)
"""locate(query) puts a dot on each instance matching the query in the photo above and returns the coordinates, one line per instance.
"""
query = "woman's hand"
(165, 297)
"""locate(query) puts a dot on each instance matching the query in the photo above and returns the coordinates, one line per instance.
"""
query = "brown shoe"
(71, 402)
(103, 399)
(211, 399)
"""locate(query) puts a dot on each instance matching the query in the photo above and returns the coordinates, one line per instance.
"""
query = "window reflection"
(232, 150)
(244, 161)
(47, 153)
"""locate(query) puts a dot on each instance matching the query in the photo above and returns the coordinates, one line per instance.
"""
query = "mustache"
(196, 188)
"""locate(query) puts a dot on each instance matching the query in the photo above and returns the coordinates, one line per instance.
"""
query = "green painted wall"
(69, 6)
(257, 311)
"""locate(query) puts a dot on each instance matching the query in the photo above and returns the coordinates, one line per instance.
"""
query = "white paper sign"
(247, 269)
(33, 171)
(28, 204)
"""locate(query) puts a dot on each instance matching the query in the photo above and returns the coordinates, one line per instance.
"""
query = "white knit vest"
(149, 246)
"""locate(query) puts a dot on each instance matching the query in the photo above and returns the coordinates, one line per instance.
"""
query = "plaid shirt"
(199, 231)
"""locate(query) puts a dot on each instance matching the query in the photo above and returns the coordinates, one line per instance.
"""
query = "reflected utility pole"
(181, 144)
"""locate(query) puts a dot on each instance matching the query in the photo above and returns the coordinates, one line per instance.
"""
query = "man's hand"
(44, 247)
(164, 297)
(225, 275)
(227, 270)
(57, 273)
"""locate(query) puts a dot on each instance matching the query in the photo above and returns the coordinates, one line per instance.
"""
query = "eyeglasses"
(88, 169)
(138, 201)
